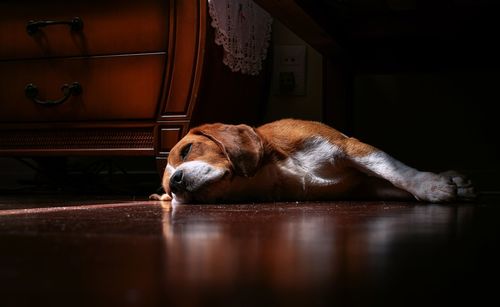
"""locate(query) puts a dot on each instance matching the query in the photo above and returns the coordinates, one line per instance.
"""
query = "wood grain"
(109, 27)
(117, 252)
(114, 88)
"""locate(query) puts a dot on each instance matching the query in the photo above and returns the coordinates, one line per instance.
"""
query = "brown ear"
(240, 143)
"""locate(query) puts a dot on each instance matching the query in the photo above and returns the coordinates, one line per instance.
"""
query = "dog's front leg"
(425, 186)
(162, 197)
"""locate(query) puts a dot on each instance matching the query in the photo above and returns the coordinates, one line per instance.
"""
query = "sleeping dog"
(294, 160)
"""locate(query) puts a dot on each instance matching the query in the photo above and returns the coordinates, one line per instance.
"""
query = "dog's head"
(202, 165)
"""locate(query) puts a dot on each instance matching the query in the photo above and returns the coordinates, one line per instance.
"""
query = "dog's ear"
(240, 143)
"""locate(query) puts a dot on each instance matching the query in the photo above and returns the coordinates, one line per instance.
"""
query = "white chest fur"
(314, 170)
(315, 164)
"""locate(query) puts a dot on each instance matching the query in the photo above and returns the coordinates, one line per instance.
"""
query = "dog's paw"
(444, 187)
(163, 197)
(465, 189)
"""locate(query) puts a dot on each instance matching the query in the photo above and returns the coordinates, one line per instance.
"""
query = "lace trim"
(243, 29)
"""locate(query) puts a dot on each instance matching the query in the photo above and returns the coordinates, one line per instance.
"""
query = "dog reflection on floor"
(216, 247)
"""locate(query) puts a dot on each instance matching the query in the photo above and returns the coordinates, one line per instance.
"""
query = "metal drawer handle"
(76, 24)
(74, 89)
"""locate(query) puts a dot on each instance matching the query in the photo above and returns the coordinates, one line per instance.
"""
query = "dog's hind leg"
(425, 186)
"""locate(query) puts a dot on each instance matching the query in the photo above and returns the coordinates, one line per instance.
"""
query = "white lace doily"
(243, 29)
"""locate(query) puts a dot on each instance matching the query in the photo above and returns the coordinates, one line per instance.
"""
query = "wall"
(308, 106)
(434, 121)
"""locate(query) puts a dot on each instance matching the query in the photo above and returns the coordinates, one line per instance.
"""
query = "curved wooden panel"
(185, 58)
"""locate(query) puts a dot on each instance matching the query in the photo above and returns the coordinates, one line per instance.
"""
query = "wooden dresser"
(109, 77)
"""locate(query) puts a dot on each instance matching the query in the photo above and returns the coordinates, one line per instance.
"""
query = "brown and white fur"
(294, 160)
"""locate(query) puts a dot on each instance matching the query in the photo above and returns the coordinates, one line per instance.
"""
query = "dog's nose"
(177, 181)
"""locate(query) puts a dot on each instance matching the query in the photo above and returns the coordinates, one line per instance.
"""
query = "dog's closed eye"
(185, 151)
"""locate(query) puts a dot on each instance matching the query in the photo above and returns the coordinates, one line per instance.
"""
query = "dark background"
(416, 78)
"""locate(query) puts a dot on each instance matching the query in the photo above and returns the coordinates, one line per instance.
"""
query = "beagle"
(294, 160)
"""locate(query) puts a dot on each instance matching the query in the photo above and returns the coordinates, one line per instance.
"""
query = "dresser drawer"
(109, 27)
(113, 88)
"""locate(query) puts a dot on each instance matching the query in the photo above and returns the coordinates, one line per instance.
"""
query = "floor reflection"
(297, 252)
(146, 253)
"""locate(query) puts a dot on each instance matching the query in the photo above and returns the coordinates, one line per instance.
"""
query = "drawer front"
(113, 88)
(109, 27)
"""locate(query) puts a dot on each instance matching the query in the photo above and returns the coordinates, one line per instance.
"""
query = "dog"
(294, 160)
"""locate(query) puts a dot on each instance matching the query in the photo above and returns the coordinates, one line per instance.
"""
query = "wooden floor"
(98, 251)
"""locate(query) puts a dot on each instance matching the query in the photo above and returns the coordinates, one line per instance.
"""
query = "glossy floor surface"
(62, 251)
